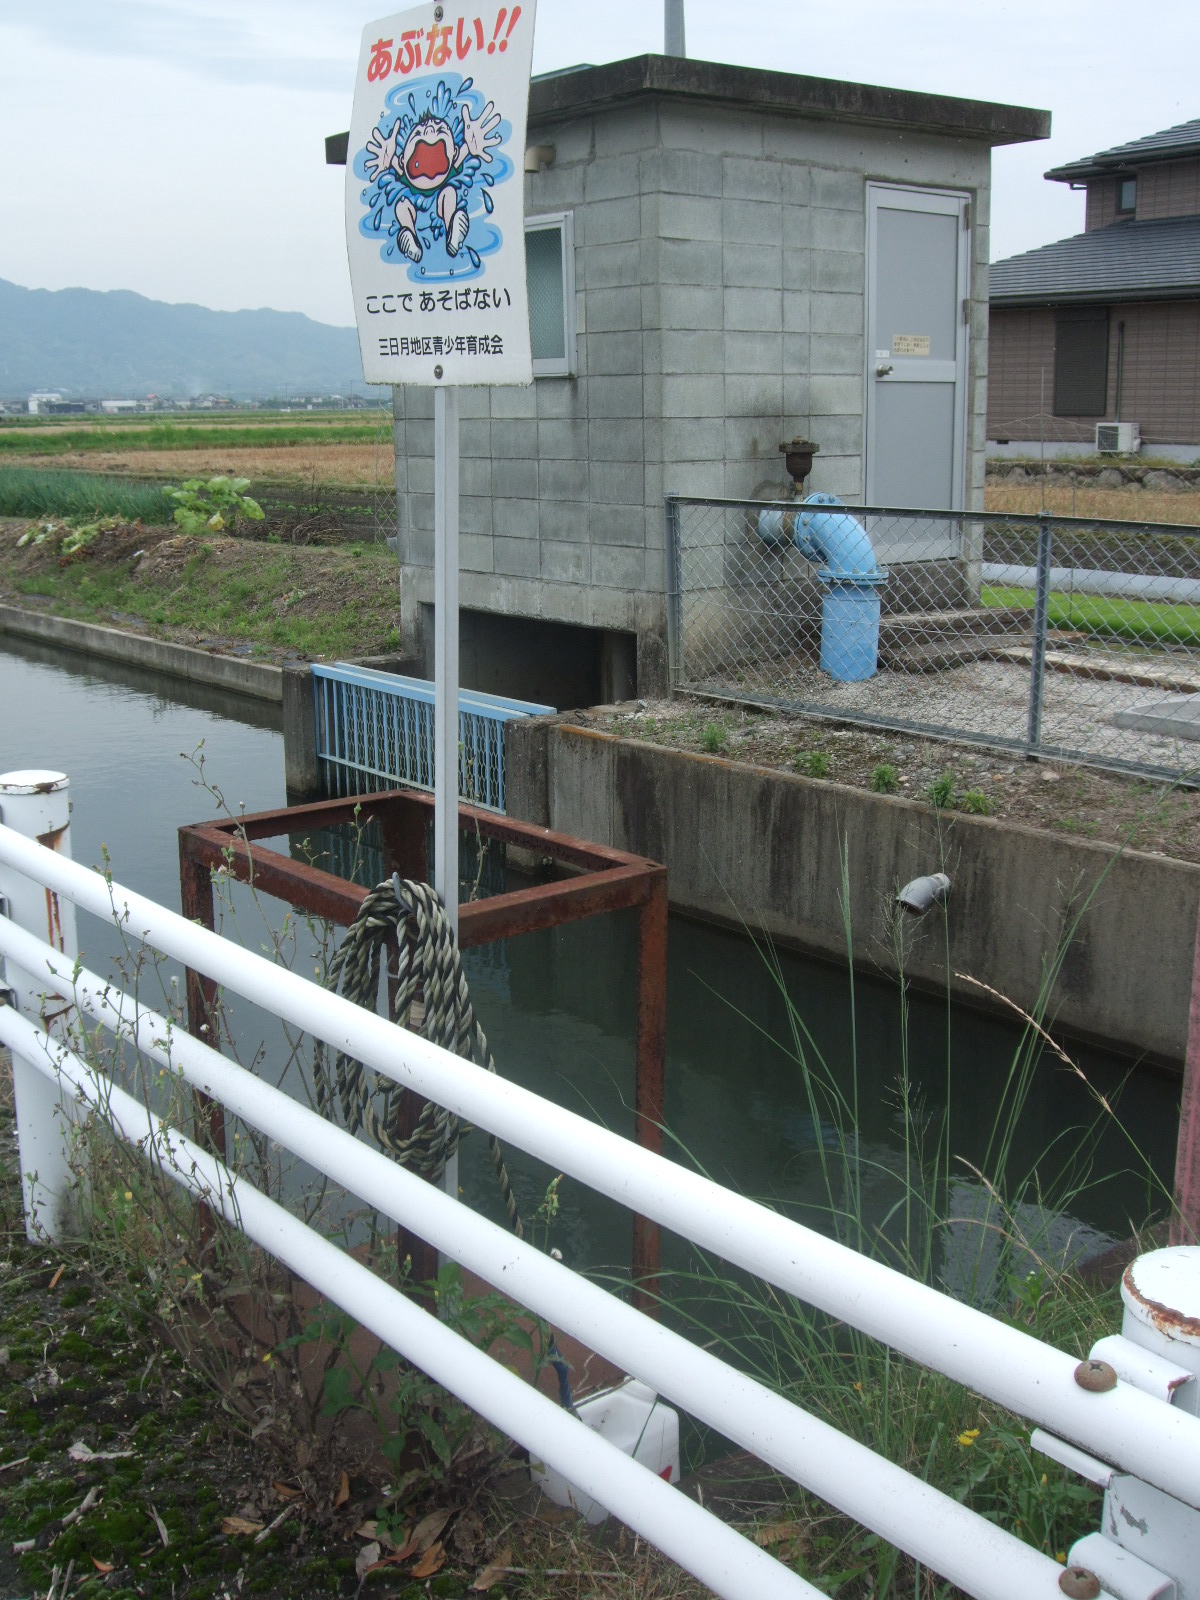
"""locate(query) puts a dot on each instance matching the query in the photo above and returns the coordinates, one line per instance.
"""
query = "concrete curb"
(256, 679)
(744, 842)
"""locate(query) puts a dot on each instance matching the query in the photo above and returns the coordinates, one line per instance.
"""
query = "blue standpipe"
(853, 579)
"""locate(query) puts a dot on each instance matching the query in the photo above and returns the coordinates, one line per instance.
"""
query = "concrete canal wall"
(751, 845)
(255, 678)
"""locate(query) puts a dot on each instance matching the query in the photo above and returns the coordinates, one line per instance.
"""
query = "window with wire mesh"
(550, 280)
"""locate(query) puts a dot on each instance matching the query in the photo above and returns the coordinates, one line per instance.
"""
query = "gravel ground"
(1161, 818)
(990, 700)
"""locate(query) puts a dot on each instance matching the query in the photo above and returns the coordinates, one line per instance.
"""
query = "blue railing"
(376, 728)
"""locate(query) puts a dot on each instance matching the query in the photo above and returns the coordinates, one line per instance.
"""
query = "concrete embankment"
(260, 680)
(750, 845)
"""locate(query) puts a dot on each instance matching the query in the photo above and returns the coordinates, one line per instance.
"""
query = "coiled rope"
(433, 1001)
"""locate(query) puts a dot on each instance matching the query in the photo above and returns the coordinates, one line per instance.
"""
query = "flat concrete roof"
(586, 89)
(579, 91)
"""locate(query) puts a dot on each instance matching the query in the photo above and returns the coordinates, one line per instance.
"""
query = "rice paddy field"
(1132, 503)
(345, 448)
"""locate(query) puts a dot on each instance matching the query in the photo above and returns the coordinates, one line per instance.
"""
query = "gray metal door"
(917, 328)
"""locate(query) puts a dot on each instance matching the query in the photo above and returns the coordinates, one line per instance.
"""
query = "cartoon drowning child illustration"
(427, 164)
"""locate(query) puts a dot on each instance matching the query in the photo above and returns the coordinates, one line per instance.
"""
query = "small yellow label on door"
(911, 344)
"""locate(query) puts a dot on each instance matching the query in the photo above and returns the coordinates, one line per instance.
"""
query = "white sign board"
(435, 195)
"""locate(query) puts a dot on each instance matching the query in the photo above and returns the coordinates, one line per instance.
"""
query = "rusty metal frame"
(599, 880)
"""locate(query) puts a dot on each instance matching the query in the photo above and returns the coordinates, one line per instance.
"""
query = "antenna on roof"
(673, 28)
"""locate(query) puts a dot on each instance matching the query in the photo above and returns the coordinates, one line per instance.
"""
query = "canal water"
(786, 1079)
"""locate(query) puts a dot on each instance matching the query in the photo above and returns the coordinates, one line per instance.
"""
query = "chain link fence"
(1073, 638)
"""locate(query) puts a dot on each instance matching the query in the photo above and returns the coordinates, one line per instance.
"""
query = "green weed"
(976, 803)
(941, 791)
(713, 738)
(812, 764)
(885, 779)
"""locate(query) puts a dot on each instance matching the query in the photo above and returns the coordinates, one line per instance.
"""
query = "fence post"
(1041, 618)
(649, 1089)
(674, 589)
(36, 804)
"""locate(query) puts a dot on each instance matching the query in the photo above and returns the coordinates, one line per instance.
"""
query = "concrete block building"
(720, 259)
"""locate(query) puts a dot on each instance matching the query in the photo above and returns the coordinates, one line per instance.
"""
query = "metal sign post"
(445, 649)
(435, 234)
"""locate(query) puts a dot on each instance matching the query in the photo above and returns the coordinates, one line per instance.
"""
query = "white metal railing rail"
(1137, 1433)
(782, 1434)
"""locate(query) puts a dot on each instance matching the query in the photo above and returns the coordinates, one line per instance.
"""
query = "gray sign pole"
(445, 671)
(445, 648)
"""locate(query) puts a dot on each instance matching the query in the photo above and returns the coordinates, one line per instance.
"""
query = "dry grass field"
(351, 465)
(1130, 504)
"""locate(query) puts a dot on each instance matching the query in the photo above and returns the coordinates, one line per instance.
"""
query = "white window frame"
(560, 366)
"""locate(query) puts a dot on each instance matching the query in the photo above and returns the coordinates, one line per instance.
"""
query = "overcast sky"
(175, 147)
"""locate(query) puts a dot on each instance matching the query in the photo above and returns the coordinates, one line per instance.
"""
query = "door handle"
(882, 372)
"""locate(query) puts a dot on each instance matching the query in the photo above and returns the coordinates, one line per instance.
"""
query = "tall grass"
(999, 1235)
(33, 492)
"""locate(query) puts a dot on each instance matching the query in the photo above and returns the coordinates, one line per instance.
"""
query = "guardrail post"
(1041, 618)
(674, 589)
(37, 805)
(1150, 1546)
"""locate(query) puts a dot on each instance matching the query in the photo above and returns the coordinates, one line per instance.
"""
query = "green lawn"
(1137, 621)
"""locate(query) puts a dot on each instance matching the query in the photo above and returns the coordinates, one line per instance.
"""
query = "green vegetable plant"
(209, 505)
(71, 535)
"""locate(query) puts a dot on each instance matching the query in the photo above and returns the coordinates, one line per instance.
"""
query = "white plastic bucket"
(631, 1417)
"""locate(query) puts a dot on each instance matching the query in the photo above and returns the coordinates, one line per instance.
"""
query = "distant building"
(1104, 328)
(114, 406)
(39, 402)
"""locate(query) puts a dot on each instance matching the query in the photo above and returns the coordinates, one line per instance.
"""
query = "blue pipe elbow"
(837, 539)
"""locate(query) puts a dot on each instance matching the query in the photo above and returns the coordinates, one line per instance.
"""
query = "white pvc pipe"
(982, 1559)
(1125, 1427)
(1091, 580)
(683, 1530)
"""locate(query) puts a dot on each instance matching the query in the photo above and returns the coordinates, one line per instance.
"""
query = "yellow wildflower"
(968, 1438)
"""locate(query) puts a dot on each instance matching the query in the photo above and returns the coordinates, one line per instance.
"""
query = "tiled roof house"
(1105, 326)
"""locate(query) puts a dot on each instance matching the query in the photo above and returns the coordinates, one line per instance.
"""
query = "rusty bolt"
(1097, 1377)
(1079, 1583)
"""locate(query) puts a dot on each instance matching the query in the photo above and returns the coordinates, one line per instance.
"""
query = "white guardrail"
(1138, 1436)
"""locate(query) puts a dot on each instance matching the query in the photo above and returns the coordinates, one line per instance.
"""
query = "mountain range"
(117, 345)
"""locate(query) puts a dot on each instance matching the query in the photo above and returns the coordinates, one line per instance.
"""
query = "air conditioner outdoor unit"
(1118, 438)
